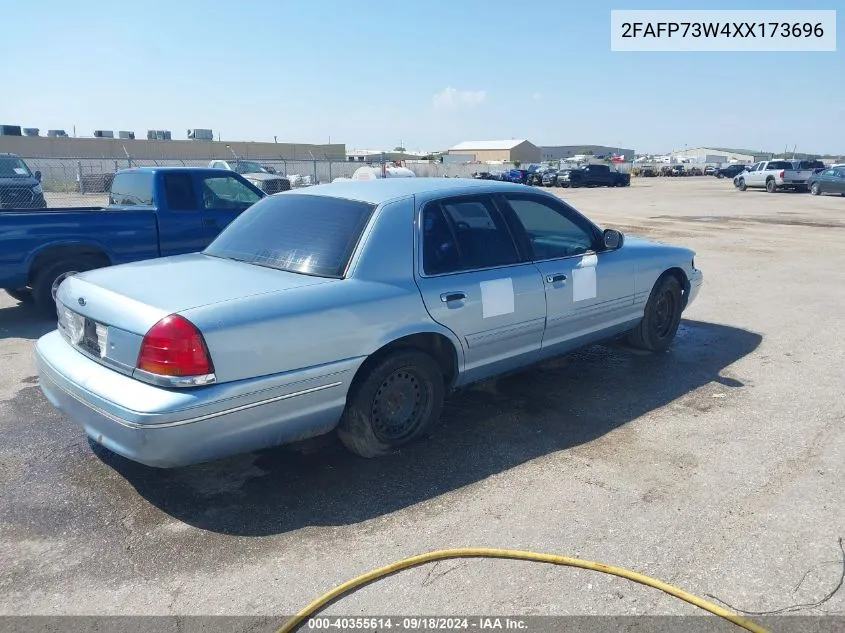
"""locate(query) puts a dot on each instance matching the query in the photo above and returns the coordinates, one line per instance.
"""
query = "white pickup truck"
(773, 175)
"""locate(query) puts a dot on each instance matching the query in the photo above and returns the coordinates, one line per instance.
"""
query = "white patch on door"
(584, 279)
(497, 297)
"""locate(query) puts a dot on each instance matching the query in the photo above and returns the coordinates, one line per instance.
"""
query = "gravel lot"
(719, 467)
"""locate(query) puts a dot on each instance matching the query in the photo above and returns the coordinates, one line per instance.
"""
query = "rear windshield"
(810, 164)
(312, 235)
(132, 189)
(779, 164)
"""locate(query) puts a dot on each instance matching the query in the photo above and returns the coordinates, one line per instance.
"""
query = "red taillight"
(174, 347)
(780, 175)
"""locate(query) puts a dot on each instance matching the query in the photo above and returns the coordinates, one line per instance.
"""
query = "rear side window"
(465, 234)
(779, 164)
(312, 235)
(132, 189)
(179, 190)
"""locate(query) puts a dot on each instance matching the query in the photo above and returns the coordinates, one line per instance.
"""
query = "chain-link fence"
(37, 181)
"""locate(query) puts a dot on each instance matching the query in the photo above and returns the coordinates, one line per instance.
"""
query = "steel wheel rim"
(54, 289)
(400, 405)
(664, 313)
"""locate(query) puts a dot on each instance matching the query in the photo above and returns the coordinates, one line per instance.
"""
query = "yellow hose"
(554, 559)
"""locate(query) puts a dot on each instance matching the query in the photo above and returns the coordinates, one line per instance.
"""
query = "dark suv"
(730, 171)
(19, 187)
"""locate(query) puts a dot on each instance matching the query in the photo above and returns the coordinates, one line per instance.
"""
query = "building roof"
(487, 145)
(385, 189)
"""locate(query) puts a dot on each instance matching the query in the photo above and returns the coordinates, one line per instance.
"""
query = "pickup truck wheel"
(47, 283)
(815, 189)
(22, 295)
(397, 400)
(662, 317)
(771, 185)
(740, 184)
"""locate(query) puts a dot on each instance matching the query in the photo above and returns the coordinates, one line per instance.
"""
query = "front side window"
(312, 235)
(465, 234)
(552, 231)
(226, 192)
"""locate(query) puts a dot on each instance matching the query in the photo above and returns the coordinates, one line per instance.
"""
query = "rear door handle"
(452, 296)
(553, 279)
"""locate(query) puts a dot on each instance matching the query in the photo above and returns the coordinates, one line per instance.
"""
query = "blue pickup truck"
(152, 212)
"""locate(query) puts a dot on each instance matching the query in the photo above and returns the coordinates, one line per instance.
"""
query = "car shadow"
(484, 430)
(22, 320)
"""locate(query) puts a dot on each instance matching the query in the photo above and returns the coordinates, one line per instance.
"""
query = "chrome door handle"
(553, 279)
(452, 296)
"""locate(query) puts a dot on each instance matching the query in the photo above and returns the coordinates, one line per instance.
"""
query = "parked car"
(731, 171)
(152, 212)
(828, 181)
(549, 178)
(456, 281)
(710, 170)
(593, 176)
(19, 187)
(516, 175)
(773, 175)
(269, 182)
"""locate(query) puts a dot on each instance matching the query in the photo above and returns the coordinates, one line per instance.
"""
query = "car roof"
(150, 170)
(385, 189)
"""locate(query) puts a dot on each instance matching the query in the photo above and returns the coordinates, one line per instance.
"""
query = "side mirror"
(37, 175)
(613, 239)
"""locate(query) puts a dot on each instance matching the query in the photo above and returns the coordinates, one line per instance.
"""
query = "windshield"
(248, 167)
(13, 167)
(312, 235)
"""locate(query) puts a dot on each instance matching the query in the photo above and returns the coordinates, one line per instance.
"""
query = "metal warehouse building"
(507, 151)
(562, 152)
(719, 155)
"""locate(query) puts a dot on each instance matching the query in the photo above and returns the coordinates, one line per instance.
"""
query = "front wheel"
(740, 184)
(394, 404)
(815, 189)
(662, 317)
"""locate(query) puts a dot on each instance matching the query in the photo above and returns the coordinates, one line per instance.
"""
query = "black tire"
(815, 189)
(740, 184)
(662, 316)
(720, 176)
(574, 183)
(51, 277)
(366, 428)
(22, 295)
(771, 185)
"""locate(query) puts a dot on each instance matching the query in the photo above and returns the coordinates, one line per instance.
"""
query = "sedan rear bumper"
(178, 427)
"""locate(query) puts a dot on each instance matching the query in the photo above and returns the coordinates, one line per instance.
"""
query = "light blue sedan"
(352, 306)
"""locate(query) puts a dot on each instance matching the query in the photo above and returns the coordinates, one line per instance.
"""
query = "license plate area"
(86, 334)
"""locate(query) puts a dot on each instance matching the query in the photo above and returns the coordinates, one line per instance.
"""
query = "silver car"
(352, 306)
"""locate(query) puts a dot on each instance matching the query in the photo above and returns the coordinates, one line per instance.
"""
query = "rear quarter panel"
(336, 324)
(123, 235)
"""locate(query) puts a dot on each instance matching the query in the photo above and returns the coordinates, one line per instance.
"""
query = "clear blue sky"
(368, 74)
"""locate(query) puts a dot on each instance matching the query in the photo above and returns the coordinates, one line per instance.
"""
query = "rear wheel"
(47, 282)
(662, 316)
(815, 189)
(397, 400)
(771, 186)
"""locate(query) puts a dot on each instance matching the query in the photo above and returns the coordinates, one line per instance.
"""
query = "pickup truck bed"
(154, 212)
